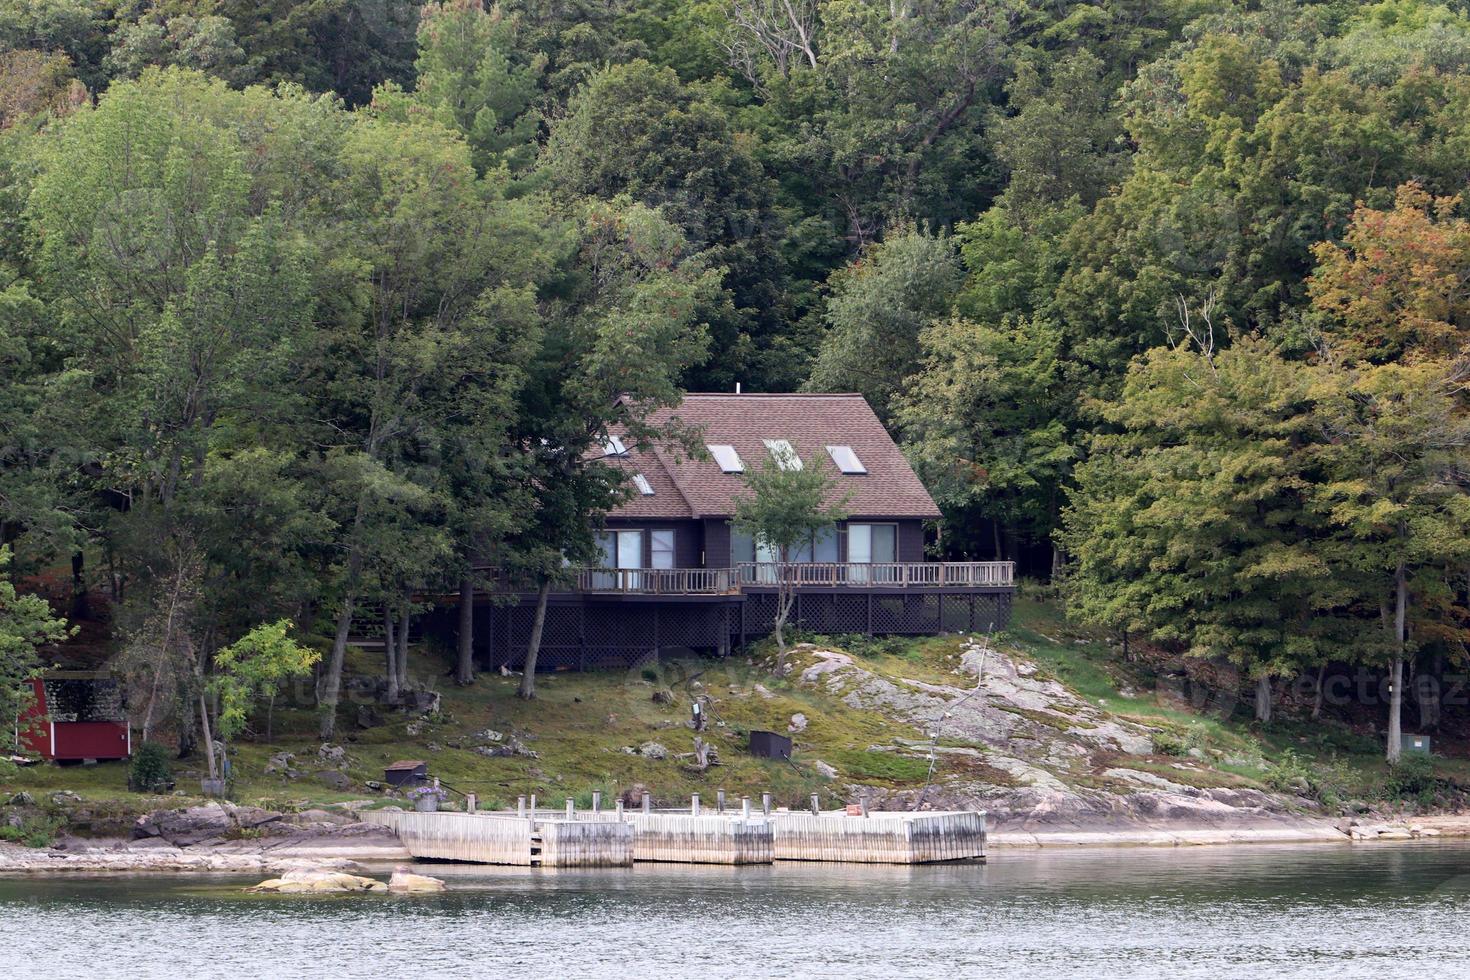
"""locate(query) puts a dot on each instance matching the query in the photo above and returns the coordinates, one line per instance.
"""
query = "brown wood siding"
(717, 543)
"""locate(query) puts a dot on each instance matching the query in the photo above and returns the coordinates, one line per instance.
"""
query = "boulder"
(22, 799)
(824, 770)
(653, 750)
(281, 763)
(368, 717)
(320, 882)
(185, 827)
(798, 724)
(64, 797)
(332, 754)
(334, 779)
(408, 882)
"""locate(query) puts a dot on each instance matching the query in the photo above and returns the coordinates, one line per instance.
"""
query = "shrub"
(1412, 778)
(149, 772)
(33, 831)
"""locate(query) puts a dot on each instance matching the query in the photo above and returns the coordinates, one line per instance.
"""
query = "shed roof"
(686, 488)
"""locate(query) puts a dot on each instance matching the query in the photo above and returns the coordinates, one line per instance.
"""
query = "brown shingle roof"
(685, 488)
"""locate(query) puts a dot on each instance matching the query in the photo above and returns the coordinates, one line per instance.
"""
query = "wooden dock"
(597, 839)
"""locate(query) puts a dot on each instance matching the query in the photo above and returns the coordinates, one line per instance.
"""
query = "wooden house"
(76, 716)
(675, 575)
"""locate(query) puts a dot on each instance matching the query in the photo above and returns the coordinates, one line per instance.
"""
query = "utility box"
(406, 772)
(769, 745)
(1414, 743)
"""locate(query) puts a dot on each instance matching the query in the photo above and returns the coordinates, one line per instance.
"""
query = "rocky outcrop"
(320, 882)
(410, 883)
(1033, 754)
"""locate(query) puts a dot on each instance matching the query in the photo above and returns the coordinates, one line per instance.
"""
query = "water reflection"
(1370, 911)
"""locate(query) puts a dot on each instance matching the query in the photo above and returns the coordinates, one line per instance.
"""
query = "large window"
(872, 544)
(821, 547)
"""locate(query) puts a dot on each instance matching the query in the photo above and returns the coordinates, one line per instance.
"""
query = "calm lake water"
(1339, 911)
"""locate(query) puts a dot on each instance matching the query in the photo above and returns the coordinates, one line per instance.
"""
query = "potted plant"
(426, 799)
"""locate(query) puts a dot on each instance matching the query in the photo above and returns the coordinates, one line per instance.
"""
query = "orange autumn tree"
(1390, 399)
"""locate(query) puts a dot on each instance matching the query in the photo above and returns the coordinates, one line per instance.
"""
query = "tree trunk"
(1317, 694)
(995, 540)
(1396, 671)
(390, 653)
(402, 658)
(533, 645)
(1263, 699)
(332, 682)
(208, 737)
(465, 672)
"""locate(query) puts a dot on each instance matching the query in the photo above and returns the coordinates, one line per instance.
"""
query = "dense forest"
(306, 305)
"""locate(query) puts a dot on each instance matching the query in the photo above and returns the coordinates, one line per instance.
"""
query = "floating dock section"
(880, 837)
(495, 838)
(595, 839)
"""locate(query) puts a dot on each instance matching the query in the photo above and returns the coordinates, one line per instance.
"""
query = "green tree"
(622, 331)
(636, 130)
(252, 667)
(786, 504)
(26, 625)
(1193, 522)
(475, 77)
(878, 308)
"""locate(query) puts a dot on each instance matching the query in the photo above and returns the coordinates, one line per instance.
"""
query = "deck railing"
(725, 581)
(902, 574)
(657, 581)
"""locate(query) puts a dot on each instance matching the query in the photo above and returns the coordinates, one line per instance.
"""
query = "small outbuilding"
(769, 745)
(406, 772)
(76, 716)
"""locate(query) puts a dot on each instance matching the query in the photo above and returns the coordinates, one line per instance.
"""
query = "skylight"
(727, 457)
(614, 447)
(641, 482)
(783, 454)
(847, 460)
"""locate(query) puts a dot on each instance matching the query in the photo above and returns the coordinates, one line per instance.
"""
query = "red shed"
(76, 716)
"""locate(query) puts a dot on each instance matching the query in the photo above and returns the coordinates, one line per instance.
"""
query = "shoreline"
(340, 851)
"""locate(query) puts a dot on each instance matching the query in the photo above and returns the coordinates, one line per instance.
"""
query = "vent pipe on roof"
(737, 387)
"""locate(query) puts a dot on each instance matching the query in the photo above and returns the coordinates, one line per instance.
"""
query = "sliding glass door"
(872, 544)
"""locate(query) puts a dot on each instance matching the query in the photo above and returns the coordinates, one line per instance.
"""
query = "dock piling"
(766, 804)
(520, 806)
(596, 803)
(571, 809)
(647, 803)
(816, 805)
(720, 801)
(470, 802)
(694, 805)
(745, 808)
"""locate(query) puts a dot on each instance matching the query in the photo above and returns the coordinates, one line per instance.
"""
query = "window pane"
(606, 541)
(727, 458)
(783, 453)
(826, 549)
(885, 542)
(630, 549)
(860, 543)
(846, 460)
(742, 547)
(661, 548)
